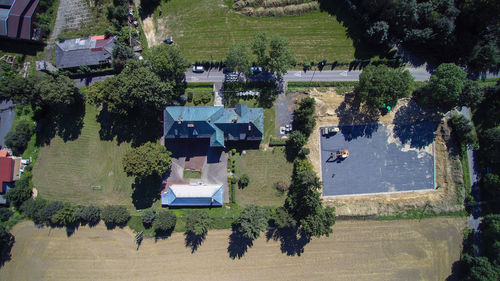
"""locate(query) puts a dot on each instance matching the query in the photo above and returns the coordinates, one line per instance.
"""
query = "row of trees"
(437, 31)
(271, 53)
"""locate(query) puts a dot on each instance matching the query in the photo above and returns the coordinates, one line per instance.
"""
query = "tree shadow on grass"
(146, 191)
(134, 128)
(238, 245)
(352, 111)
(5, 254)
(292, 241)
(162, 235)
(415, 126)
(356, 30)
(67, 125)
(194, 241)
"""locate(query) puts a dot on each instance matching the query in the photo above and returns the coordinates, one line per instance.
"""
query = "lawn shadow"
(238, 245)
(357, 119)
(128, 128)
(146, 191)
(292, 241)
(415, 126)
(5, 254)
(67, 125)
(194, 241)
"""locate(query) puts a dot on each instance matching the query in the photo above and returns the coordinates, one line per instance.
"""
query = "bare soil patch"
(357, 250)
(334, 109)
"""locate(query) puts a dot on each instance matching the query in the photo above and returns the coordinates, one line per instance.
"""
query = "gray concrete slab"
(377, 163)
(285, 106)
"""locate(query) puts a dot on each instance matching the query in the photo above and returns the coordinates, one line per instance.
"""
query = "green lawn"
(205, 29)
(264, 169)
(190, 174)
(65, 171)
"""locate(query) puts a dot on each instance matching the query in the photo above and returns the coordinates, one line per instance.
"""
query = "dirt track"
(358, 250)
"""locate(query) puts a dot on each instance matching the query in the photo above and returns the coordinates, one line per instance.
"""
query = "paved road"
(298, 75)
(474, 219)
(6, 119)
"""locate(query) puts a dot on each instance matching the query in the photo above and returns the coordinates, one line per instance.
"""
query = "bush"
(18, 138)
(50, 210)
(281, 186)
(189, 96)
(65, 216)
(5, 214)
(243, 181)
(198, 222)
(90, 214)
(115, 215)
(148, 217)
(165, 221)
(463, 131)
(32, 209)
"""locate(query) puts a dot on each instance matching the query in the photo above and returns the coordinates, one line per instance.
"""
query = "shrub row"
(277, 141)
(281, 11)
(200, 84)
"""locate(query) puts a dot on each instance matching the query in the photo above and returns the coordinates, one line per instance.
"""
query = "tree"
(238, 59)
(168, 63)
(121, 53)
(198, 222)
(283, 219)
(490, 145)
(146, 160)
(18, 139)
(148, 217)
(472, 94)
(381, 86)
(445, 87)
(6, 242)
(65, 216)
(20, 193)
(480, 269)
(57, 93)
(462, 129)
(50, 210)
(484, 58)
(490, 183)
(115, 215)
(32, 209)
(252, 221)
(90, 214)
(281, 57)
(303, 119)
(243, 181)
(294, 144)
(304, 204)
(165, 221)
(378, 32)
(17, 88)
(259, 47)
(5, 214)
(136, 91)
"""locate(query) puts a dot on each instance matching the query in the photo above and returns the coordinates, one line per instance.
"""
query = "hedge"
(277, 141)
(199, 84)
(322, 84)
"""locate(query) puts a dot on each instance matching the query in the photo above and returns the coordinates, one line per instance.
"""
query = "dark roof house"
(215, 122)
(94, 50)
(16, 18)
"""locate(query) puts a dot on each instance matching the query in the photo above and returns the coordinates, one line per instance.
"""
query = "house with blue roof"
(217, 123)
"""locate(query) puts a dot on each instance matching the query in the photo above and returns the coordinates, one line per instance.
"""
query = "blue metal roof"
(170, 198)
(217, 123)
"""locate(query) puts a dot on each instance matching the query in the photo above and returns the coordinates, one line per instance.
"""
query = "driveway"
(6, 119)
(285, 106)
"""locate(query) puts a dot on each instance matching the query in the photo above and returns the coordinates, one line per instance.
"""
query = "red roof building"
(9, 169)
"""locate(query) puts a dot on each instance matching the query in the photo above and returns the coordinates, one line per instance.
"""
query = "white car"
(282, 130)
(198, 69)
(25, 161)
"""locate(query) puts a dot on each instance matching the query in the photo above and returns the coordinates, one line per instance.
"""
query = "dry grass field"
(357, 250)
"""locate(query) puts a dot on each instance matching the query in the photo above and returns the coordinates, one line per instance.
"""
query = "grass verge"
(422, 214)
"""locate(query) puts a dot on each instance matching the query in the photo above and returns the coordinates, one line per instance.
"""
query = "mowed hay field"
(264, 168)
(357, 250)
(204, 29)
(66, 170)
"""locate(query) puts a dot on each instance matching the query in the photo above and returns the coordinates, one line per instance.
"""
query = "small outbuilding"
(205, 195)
